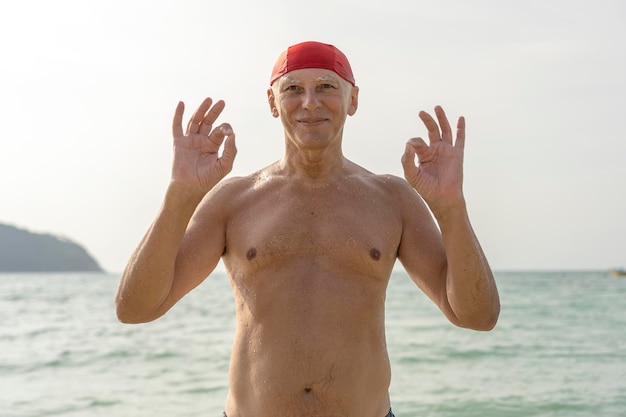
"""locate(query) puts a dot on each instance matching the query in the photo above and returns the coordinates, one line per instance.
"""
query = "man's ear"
(354, 101)
(271, 99)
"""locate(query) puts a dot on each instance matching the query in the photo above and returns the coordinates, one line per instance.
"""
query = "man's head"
(312, 55)
(312, 91)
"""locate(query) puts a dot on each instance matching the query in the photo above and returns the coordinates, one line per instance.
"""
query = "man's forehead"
(318, 74)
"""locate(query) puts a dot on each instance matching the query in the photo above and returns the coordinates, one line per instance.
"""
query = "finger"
(416, 147)
(177, 123)
(210, 117)
(433, 129)
(446, 131)
(194, 123)
(217, 136)
(460, 133)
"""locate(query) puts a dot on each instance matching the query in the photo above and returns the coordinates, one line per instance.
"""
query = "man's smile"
(312, 121)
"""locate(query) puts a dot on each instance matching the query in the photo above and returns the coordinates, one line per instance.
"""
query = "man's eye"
(291, 88)
(327, 86)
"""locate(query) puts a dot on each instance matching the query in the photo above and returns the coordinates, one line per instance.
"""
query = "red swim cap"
(312, 55)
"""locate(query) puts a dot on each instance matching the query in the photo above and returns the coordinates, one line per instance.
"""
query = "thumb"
(408, 162)
(408, 157)
(230, 151)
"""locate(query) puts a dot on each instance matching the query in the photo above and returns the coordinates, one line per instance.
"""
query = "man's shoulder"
(384, 182)
(394, 189)
(231, 183)
(232, 187)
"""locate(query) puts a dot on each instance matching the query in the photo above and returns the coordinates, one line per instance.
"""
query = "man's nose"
(310, 100)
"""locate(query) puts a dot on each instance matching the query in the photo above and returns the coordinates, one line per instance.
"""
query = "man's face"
(313, 105)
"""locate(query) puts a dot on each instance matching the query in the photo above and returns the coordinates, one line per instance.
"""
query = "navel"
(307, 389)
(375, 254)
(251, 254)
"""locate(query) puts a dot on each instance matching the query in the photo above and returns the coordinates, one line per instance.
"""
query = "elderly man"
(309, 244)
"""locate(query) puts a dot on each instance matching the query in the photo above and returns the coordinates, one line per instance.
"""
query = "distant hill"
(24, 251)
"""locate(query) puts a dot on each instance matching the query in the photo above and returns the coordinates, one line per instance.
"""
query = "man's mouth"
(312, 121)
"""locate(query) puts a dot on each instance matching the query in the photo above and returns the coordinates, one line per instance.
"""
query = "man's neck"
(319, 167)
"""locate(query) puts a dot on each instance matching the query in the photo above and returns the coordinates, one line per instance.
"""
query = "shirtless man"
(309, 243)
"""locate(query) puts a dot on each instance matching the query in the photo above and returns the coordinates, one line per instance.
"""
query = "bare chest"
(335, 226)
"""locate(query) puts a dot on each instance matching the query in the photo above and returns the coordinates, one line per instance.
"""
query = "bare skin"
(309, 244)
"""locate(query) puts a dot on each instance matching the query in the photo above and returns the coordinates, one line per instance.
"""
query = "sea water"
(559, 349)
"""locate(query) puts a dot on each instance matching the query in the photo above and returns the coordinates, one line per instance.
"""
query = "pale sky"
(88, 90)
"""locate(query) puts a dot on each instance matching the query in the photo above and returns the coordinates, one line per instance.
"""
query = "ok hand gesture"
(197, 163)
(439, 176)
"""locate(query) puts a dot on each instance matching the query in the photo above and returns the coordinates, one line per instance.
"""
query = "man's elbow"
(484, 320)
(128, 315)
(488, 320)
(123, 315)
(486, 324)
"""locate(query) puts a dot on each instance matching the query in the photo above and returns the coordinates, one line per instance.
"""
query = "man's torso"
(309, 268)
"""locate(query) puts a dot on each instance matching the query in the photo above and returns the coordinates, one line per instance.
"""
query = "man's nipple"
(251, 254)
(375, 254)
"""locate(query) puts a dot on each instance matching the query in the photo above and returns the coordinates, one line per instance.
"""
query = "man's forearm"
(149, 274)
(470, 285)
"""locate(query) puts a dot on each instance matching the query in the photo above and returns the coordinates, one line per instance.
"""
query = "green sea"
(559, 349)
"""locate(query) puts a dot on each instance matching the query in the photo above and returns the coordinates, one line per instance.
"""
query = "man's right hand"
(197, 164)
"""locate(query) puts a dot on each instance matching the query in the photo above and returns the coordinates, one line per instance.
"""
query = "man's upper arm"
(421, 250)
(200, 250)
